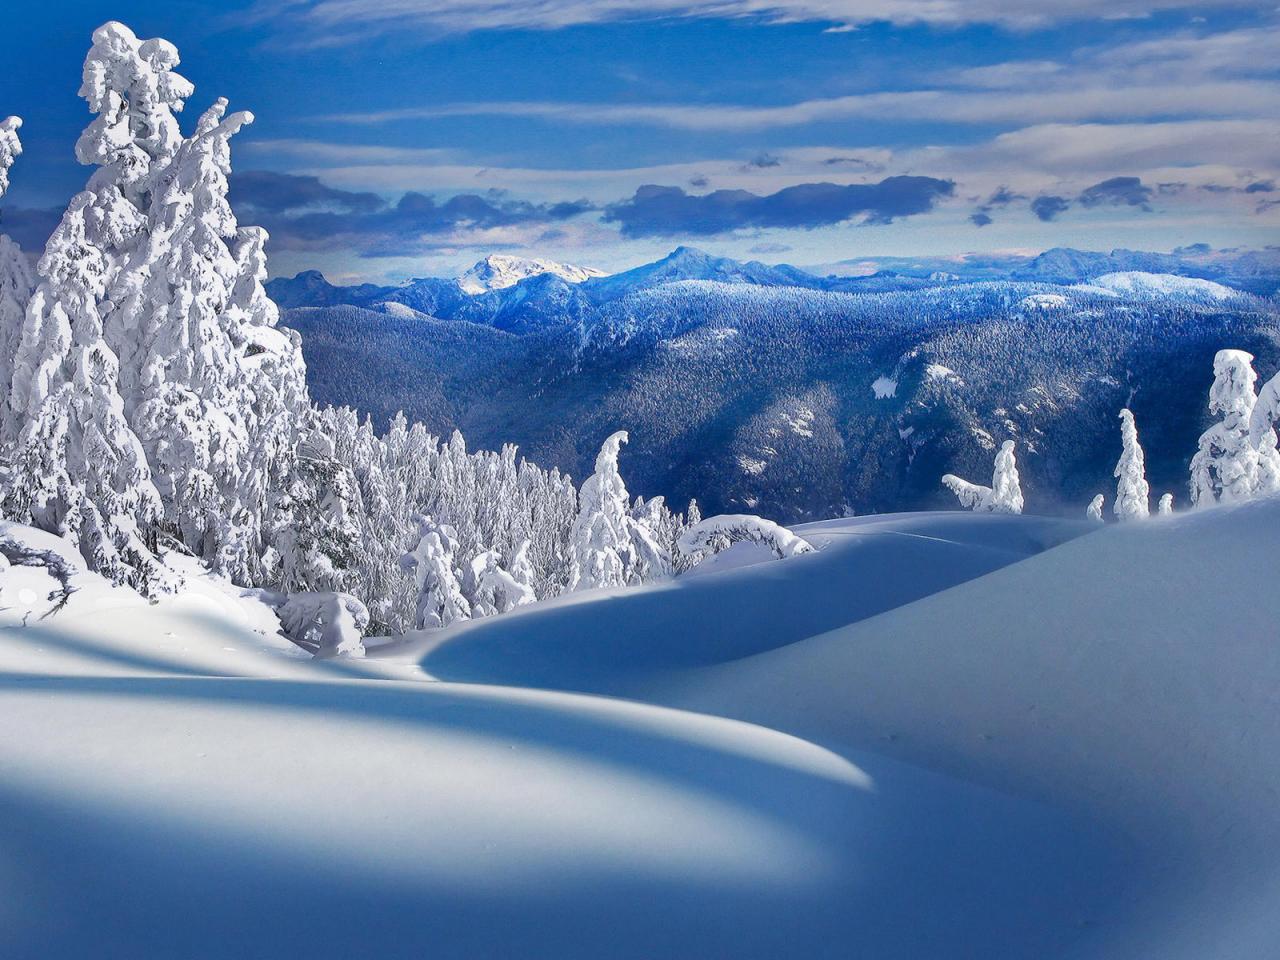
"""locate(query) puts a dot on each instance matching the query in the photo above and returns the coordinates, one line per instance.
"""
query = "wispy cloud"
(1093, 102)
(335, 21)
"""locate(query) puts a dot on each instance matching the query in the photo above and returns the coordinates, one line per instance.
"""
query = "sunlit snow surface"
(943, 735)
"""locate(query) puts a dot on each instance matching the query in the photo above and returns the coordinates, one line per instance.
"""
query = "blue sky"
(401, 138)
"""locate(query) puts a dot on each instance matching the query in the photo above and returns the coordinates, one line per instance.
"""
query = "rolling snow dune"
(1129, 676)
(177, 782)
(866, 565)
(942, 736)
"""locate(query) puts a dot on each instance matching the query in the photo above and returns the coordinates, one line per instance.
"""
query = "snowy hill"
(942, 735)
(499, 271)
(1095, 678)
(1138, 284)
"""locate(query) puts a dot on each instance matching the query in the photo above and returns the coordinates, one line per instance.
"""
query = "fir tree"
(1132, 492)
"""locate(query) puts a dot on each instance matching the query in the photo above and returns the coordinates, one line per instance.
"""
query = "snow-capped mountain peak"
(499, 271)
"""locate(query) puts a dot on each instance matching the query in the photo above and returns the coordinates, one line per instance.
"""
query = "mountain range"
(773, 390)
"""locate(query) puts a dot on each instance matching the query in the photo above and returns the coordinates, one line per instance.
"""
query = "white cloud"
(1003, 106)
(332, 21)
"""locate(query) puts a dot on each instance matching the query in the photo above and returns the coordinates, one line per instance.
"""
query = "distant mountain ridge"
(770, 390)
(523, 294)
(1254, 271)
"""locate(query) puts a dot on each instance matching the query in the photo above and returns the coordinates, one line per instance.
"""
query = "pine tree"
(436, 576)
(16, 281)
(1165, 507)
(1132, 492)
(600, 539)
(78, 469)
(1094, 510)
(1226, 465)
(1006, 488)
(1262, 435)
(1003, 496)
(194, 395)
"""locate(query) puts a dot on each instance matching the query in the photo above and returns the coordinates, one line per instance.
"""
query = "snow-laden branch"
(715, 534)
(21, 555)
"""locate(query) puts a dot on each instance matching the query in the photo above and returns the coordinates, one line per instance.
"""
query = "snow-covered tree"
(1094, 510)
(1226, 465)
(1003, 496)
(193, 390)
(654, 532)
(436, 576)
(320, 537)
(16, 280)
(77, 467)
(1165, 507)
(1132, 491)
(328, 624)
(714, 534)
(601, 539)
(495, 590)
(10, 149)
(1262, 434)
(1006, 489)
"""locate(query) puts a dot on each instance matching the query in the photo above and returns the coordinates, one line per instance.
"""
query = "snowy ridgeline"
(154, 409)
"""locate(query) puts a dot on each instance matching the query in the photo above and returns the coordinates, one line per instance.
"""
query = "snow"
(901, 741)
(1134, 722)
(397, 309)
(1043, 301)
(1135, 283)
(499, 271)
(884, 388)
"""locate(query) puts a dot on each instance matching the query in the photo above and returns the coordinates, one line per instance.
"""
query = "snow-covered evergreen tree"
(1094, 510)
(496, 590)
(78, 469)
(1262, 434)
(10, 149)
(1226, 465)
(319, 540)
(193, 398)
(1006, 488)
(1165, 507)
(654, 532)
(16, 279)
(1132, 491)
(436, 576)
(601, 539)
(1003, 496)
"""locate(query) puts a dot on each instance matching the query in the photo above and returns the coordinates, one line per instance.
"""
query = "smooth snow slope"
(1131, 676)
(610, 642)
(176, 782)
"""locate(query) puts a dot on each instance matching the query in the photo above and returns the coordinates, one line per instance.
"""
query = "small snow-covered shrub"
(714, 534)
(328, 624)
